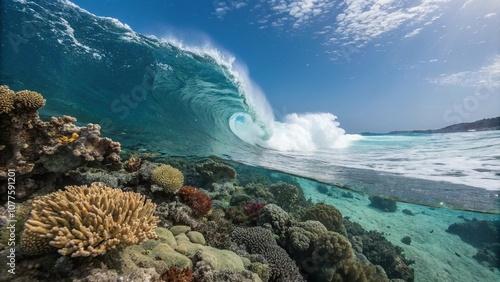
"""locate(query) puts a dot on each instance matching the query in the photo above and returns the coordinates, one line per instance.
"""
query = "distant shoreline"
(487, 124)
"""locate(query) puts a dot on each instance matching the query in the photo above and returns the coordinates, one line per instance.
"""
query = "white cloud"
(490, 15)
(413, 33)
(224, 7)
(486, 75)
(362, 21)
(301, 11)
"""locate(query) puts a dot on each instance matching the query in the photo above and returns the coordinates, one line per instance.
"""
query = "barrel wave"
(158, 92)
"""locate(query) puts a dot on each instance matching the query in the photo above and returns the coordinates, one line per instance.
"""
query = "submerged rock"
(482, 234)
(383, 204)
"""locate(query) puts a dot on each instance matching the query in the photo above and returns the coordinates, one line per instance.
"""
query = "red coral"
(253, 208)
(199, 201)
(175, 274)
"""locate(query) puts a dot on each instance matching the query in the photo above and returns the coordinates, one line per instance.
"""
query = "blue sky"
(378, 65)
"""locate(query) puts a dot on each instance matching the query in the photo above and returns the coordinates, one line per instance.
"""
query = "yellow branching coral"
(168, 177)
(30, 99)
(88, 221)
(6, 99)
(65, 139)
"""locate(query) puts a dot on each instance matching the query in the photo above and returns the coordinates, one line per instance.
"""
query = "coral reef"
(205, 273)
(175, 274)
(175, 213)
(258, 240)
(381, 252)
(32, 146)
(331, 248)
(288, 196)
(275, 219)
(215, 171)
(477, 232)
(133, 164)
(252, 210)
(168, 178)
(24, 100)
(197, 200)
(326, 214)
(87, 221)
(352, 270)
(482, 234)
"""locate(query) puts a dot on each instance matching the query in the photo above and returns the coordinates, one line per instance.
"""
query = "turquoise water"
(159, 95)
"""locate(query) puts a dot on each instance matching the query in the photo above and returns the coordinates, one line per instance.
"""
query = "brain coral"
(168, 177)
(88, 221)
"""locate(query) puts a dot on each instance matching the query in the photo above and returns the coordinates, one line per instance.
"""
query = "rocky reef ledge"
(83, 214)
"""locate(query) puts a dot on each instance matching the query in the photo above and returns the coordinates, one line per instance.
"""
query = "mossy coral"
(88, 221)
(168, 177)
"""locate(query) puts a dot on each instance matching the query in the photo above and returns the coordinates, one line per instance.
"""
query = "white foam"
(297, 132)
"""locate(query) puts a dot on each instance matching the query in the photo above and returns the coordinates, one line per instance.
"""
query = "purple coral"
(252, 209)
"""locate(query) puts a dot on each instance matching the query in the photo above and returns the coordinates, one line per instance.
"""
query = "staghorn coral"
(32, 146)
(258, 240)
(326, 214)
(168, 178)
(197, 200)
(88, 221)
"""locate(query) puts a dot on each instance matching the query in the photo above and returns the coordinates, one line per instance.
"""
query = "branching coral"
(168, 177)
(88, 221)
(197, 200)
